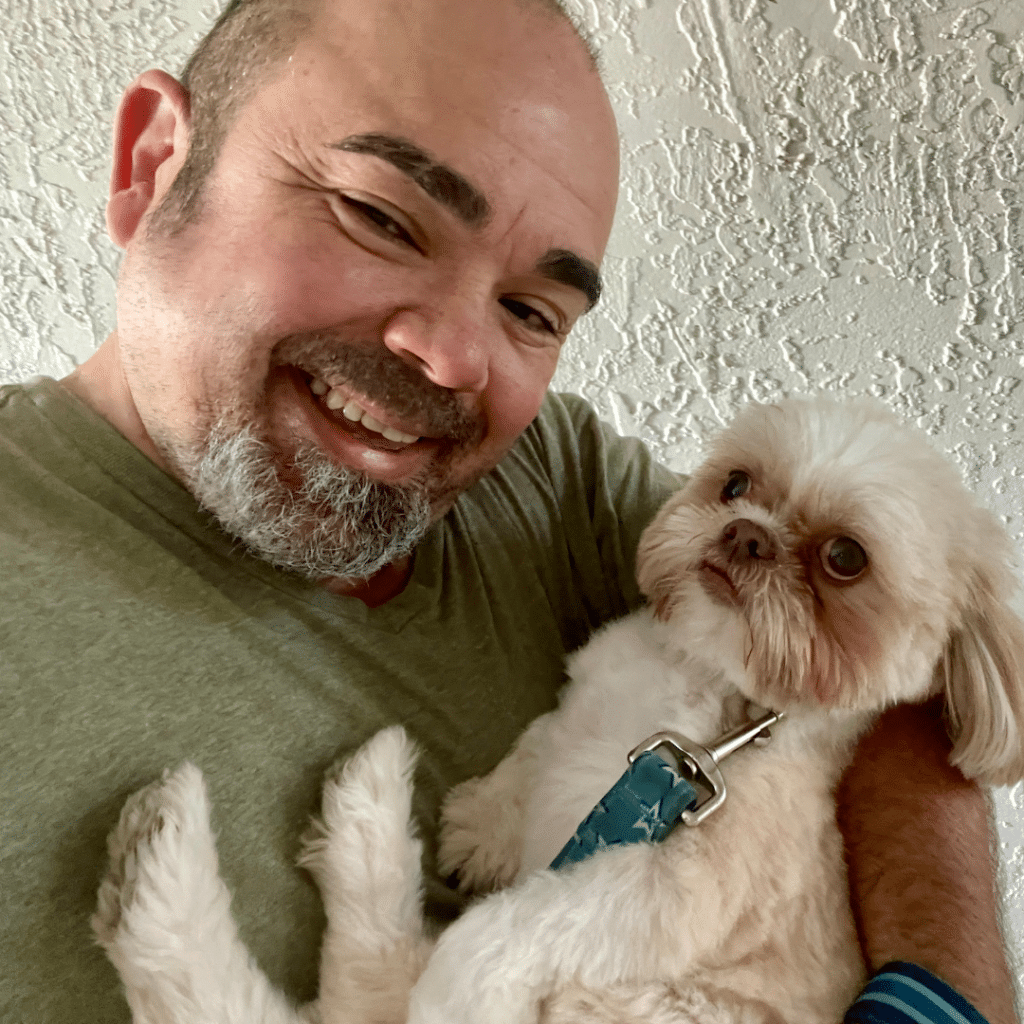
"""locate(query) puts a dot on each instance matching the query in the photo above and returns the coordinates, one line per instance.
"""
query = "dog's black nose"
(743, 540)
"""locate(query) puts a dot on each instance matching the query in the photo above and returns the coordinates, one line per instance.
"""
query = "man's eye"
(384, 223)
(533, 318)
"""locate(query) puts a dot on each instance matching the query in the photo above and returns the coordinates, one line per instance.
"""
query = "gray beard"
(333, 522)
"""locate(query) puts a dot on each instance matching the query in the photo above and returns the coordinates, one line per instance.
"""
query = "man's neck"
(380, 588)
(100, 383)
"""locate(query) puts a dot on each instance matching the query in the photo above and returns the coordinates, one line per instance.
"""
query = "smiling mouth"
(338, 405)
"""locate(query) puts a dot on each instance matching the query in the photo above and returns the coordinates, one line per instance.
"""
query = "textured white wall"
(816, 194)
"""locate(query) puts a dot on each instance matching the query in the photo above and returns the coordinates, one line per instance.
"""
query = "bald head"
(244, 49)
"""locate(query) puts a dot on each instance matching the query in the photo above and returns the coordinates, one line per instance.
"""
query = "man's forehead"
(387, 90)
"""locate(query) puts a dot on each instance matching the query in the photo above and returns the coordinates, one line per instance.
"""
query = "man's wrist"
(906, 993)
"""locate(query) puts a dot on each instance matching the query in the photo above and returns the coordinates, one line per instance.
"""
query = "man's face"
(400, 230)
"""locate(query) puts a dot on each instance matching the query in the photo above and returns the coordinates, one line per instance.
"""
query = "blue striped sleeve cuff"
(903, 993)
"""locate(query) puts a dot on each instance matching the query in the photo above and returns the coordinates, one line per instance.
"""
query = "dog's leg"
(164, 916)
(482, 819)
(366, 860)
(623, 916)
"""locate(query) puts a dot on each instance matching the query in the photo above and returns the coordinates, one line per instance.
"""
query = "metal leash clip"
(700, 764)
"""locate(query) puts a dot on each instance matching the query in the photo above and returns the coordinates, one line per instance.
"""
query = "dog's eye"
(843, 558)
(736, 486)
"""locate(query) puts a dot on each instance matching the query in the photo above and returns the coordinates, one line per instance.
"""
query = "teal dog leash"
(654, 795)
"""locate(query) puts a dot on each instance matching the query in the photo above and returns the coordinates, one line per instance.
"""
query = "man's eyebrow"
(448, 187)
(575, 271)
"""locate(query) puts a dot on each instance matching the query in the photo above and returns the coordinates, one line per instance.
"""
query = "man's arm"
(922, 870)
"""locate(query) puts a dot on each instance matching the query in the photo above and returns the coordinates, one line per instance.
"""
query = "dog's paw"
(365, 856)
(376, 779)
(363, 849)
(370, 790)
(480, 835)
(164, 917)
(158, 851)
(482, 819)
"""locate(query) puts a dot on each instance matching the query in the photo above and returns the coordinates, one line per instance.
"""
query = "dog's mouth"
(717, 584)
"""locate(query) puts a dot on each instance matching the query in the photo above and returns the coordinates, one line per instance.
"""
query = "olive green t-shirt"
(135, 634)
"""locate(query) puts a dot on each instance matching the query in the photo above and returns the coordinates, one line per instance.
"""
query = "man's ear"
(151, 135)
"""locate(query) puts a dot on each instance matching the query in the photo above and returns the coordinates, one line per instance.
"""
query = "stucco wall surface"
(816, 194)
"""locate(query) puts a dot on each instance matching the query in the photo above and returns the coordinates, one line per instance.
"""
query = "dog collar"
(653, 795)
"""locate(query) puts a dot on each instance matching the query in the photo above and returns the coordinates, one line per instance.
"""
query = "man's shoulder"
(33, 412)
(572, 441)
(551, 464)
(568, 437)
(40, 440)
(16, 398)
(68, 477)
(578, 496)
(15, 388)
(559, 421)
(27, 435)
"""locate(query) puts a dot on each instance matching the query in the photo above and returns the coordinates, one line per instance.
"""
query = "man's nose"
(448, 349)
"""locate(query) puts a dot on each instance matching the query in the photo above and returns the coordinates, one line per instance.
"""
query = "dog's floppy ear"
(658, 587)
(982, 671)
(657, 564)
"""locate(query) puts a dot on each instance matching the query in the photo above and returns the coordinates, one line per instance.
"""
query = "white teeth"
(354, 412)
(397, 435)
(319, 387)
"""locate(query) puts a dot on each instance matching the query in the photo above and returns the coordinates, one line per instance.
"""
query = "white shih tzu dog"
(823, 563)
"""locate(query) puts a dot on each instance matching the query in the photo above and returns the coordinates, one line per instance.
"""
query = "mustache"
(384, 378)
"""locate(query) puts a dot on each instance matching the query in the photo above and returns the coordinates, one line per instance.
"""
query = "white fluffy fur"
(742, 920)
